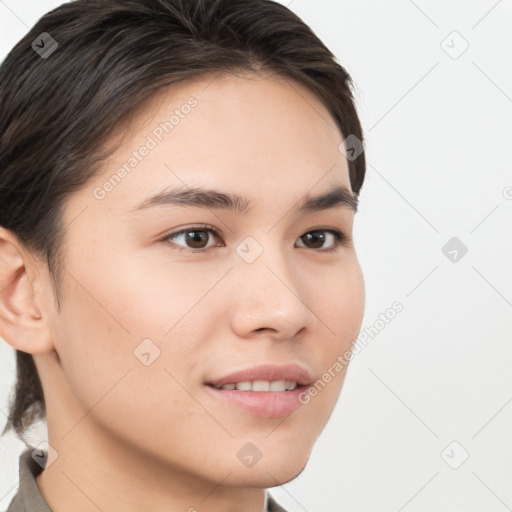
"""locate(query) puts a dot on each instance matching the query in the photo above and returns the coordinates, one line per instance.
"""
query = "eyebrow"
(214, 199)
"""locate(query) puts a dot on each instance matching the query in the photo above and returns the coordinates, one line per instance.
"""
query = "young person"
(178, 275)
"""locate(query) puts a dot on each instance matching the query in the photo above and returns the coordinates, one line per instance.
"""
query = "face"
(233, 277)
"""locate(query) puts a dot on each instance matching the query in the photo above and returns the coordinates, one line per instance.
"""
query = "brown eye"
(196, 239)
(200, 239)
(192, 238)
(317, 239)
(314, 239)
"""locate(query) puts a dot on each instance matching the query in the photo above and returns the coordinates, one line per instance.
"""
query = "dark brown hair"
(111, 55)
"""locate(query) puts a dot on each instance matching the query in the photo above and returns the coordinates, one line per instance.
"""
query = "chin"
(275, 471)
(288, 476)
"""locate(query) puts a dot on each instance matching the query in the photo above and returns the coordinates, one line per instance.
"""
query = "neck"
(92, 473)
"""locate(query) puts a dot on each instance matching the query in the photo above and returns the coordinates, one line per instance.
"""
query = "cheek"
(341, 310)
(98, 338)
(113, 306)
(155, 297)
(341, 303)
(94, 346)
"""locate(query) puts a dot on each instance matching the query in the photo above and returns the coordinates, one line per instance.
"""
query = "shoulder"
(28, 498)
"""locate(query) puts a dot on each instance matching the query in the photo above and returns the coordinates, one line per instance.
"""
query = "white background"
(438, 140)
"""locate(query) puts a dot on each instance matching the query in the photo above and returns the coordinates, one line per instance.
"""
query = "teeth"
(244, 386)
(290, 384)
(261, 385)
(278, 385)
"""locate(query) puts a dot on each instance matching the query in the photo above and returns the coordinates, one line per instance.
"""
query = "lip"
(266, 404)
(268, 372)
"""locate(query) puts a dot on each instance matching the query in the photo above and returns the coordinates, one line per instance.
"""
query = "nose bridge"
(268, 293)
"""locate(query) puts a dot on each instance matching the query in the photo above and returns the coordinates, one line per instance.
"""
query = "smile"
(260, 385)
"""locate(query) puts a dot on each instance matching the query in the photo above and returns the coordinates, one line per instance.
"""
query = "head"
(177, 205)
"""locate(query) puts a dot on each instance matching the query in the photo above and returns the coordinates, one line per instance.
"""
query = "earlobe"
(23, 324)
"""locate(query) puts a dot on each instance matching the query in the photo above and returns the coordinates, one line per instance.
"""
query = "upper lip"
(292, 372)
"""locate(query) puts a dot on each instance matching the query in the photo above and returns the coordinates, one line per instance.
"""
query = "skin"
(133, 437)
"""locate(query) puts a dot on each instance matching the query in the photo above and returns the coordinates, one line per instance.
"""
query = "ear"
(23, 315)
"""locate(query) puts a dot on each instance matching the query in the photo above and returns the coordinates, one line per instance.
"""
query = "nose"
(270, 298)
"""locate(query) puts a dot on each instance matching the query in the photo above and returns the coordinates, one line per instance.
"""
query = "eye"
(195, 239)
(318, 238)
(199, 239)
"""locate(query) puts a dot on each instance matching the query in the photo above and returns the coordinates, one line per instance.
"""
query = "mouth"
(267, 391)
(260, 385)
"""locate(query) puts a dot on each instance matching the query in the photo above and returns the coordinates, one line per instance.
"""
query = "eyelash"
(341, 239)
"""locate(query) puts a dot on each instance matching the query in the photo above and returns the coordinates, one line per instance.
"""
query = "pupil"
(195, 241)
(316, 237)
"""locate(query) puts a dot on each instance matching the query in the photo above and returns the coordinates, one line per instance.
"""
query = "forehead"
(249, 134)
(265, 95)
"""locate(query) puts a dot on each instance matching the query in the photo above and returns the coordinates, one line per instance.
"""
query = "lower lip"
(267, 404)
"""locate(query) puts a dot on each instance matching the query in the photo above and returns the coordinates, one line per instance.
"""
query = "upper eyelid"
(215, 231)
